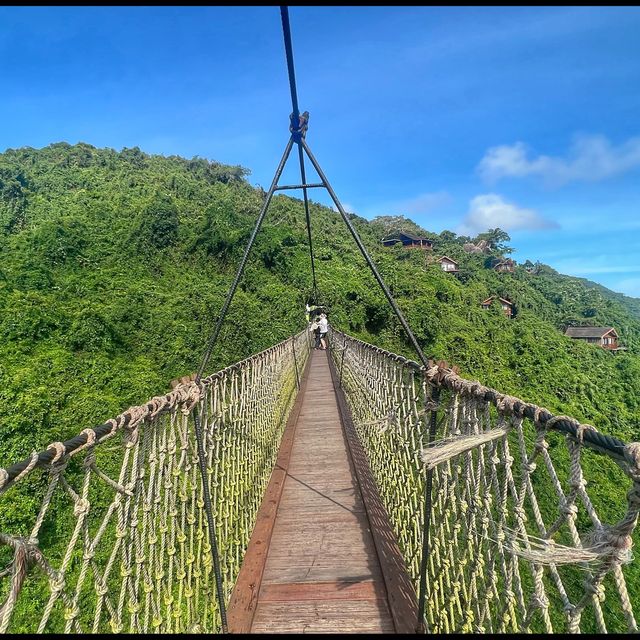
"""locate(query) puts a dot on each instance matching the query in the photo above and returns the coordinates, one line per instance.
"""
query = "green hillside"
(113, 266)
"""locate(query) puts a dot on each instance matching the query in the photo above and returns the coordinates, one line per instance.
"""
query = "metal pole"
(245, 257)
(210, 521)
(369, 261)
(308, 219)
(299, 186)
(286, 30)
(431, 436)
(206, 494)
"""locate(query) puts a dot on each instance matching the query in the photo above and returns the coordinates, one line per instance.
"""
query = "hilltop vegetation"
(114, 265)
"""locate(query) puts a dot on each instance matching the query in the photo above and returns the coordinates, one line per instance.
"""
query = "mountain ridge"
(114, 265)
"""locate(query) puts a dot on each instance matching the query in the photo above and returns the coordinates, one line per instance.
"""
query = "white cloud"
(590, 158)
(490, 210)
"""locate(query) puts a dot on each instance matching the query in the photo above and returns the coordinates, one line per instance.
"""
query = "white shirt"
(324, 325)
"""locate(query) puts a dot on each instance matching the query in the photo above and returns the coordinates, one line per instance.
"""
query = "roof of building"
(491, 298)
(396, 237)
(413, 237)
(448, 258)
(589, 332)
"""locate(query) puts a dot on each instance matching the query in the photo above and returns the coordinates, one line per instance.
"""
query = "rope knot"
(541, 444)
(432, 372)
(431, 405)
(137, 415)
(539, 601)
(158, 403)
(612, 543)
(537, 412)
(59, 449)
(632, 456)
(115, 424)
(577, 484)
(26, 553)
(300, 131)
(569, 509)
(72, 613)
(57, 585)
(507, 404)
(192, 397)
(520, 513)
(91, 437)
(81, 507)
(581, 428)
(595, 589)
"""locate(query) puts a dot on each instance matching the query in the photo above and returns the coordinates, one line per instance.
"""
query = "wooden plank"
(402, 596)
(321, 572)
(284, 572)
(336, 590)
(244, 596)
(332, 616)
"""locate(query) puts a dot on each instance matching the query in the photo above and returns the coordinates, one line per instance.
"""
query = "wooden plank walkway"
(312, 564)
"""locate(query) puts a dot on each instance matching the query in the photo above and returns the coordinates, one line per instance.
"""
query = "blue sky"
(461, 118)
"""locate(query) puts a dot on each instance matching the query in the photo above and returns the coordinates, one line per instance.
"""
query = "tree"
(448, 236)
(496, 239)
(159, 226)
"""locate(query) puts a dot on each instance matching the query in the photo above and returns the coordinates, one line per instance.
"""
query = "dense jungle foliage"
(114, 266)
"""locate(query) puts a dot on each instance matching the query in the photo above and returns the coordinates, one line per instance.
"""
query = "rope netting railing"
(530, 526)
(107, 532)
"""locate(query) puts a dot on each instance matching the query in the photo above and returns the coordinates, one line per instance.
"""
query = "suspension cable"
(308, 221)
(286, 30)
(298, 136)
(363, 250)
(202, 464)
(298, 131)
(214, 337)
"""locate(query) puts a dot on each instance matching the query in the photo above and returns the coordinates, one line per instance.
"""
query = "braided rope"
(120, 542)
(516, 540)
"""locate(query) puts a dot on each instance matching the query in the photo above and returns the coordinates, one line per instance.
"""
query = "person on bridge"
(310, 309)
(314, 327)
(323, 328)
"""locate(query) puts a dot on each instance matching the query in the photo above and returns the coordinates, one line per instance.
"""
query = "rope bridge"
(120, 541)
(493, 519)
(512, 542)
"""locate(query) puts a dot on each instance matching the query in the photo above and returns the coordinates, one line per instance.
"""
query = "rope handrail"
(505, 548)
(503, 523)
(182, 393)
(444, 376)
(120, 538)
